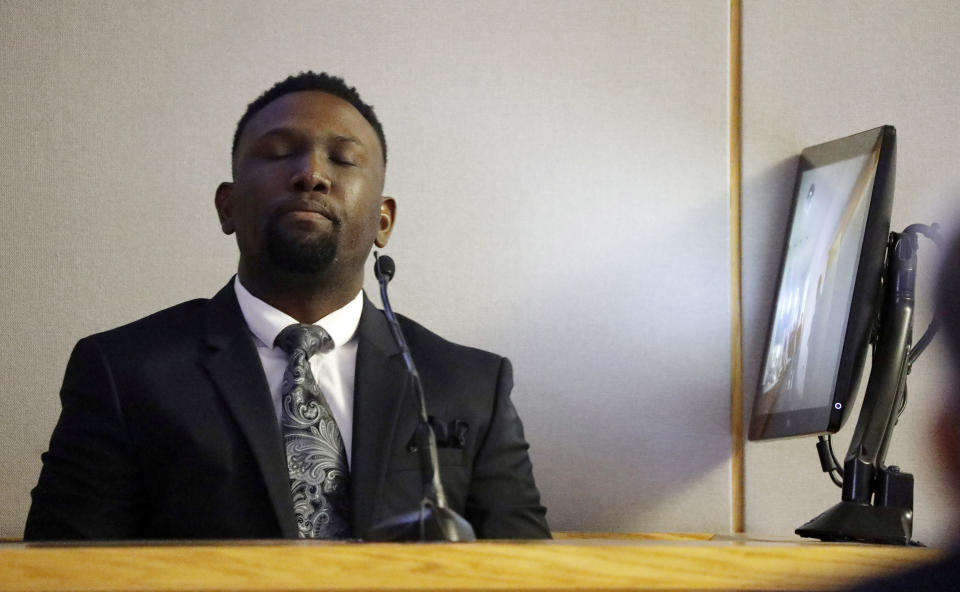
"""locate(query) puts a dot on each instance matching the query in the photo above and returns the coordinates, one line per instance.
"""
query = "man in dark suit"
(945, 574)
(185, 424)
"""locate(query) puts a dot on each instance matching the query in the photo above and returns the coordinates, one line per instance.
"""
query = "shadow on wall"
(766, 207)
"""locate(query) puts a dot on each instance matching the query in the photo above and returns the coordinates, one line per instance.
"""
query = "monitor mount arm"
(877, 501)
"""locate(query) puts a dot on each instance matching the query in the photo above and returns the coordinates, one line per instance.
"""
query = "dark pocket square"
(450, 434)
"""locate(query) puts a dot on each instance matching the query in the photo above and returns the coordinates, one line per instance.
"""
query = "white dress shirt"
(333, 370)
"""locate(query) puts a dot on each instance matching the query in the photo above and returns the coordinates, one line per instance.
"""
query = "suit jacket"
(168, 431)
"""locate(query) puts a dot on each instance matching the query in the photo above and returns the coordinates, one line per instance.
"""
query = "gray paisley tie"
(316, 457)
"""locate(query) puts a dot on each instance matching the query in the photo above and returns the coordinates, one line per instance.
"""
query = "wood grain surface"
(571, 563)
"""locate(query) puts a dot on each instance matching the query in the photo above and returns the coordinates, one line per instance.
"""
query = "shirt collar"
(266, 322)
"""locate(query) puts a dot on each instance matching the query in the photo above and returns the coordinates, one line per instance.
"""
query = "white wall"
(814, 71)
(561, 173)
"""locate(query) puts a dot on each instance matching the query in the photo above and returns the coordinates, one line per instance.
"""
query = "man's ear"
(388, 214)
(223, 200)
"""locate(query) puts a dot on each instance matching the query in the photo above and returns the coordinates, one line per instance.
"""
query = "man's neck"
(305, 298)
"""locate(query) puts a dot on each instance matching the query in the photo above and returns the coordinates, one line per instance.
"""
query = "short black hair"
(310, 80)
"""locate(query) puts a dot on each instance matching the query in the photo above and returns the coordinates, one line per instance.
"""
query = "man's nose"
(310, 175)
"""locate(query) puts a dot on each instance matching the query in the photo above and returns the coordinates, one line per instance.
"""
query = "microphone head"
(384, 268)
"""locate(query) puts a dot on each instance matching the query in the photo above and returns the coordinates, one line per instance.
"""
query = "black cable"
(828, 460)
(836, 475)
(932, 232)
(838, 481)
(924, 341)
(836, 463)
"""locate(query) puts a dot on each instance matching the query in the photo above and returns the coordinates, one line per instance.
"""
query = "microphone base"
(429, 524)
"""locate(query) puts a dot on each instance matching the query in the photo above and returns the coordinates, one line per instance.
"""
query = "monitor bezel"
(865, 300)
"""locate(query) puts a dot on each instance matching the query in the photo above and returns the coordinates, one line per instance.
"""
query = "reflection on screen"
(816, 289)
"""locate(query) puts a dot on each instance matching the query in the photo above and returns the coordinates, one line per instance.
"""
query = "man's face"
(306, 195)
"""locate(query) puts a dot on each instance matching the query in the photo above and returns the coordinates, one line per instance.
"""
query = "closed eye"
(276, 150)
(342, 161)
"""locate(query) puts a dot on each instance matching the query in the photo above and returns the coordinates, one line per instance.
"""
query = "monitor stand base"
(863, 523)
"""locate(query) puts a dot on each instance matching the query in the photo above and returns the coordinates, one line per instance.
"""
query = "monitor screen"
(829, 286)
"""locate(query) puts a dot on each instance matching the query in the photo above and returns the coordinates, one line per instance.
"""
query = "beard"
(305, 254)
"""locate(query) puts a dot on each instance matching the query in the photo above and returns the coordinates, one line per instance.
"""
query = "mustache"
(309, 205)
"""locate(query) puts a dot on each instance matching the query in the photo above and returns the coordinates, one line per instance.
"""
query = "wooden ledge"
(616, 562)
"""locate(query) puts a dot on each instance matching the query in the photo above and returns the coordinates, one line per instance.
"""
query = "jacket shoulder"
(185, 319)
(427, 343)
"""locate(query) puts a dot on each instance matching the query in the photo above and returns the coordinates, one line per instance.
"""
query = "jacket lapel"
(235, 368)
(381, 385)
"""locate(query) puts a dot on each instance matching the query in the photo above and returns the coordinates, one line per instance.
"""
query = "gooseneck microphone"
(434, 520)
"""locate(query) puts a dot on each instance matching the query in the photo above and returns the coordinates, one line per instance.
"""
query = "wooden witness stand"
(574, 561)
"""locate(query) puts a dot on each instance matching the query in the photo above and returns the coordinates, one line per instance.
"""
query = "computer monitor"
(829, 287)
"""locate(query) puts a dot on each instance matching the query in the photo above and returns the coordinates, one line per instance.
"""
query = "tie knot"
(307, 338)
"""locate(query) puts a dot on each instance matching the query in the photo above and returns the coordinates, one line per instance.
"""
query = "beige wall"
(561, 172)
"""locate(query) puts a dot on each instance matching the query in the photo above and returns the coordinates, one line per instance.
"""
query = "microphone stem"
(426, 439)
